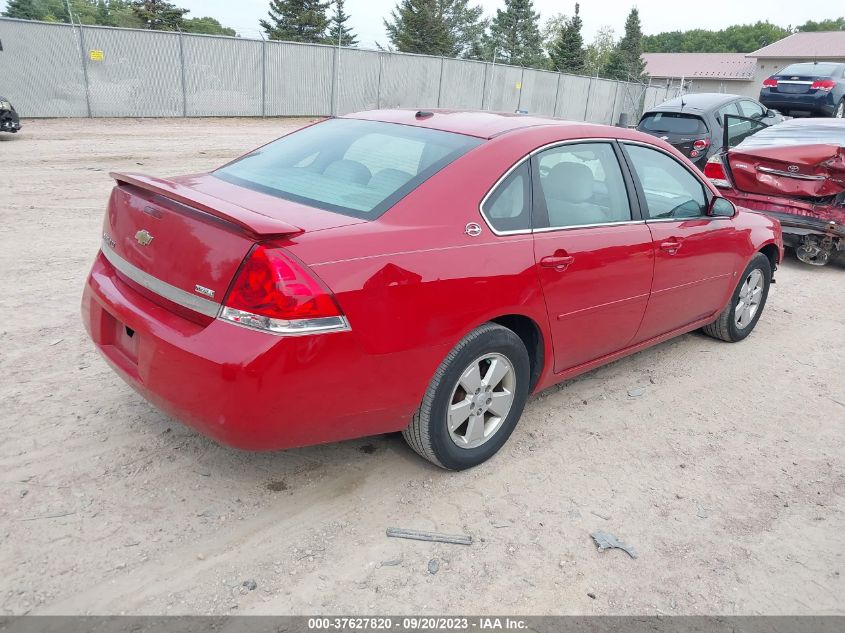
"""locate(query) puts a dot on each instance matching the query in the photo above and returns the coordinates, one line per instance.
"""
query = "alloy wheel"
(481, 400)
(748, 302)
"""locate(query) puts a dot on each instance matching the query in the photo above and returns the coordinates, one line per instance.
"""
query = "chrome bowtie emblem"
(472, 229)
(793, 169)
(143, 237)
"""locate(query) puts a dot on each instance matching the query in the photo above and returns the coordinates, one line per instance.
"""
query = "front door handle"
(671, 246)
(558, 262)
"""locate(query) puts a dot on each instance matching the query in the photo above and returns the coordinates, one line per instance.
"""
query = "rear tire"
(457, 426)
(839, 113)
(743, 311)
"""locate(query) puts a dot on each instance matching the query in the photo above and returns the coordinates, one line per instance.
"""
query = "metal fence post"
(615, 100)
(557, 92)
(81, 41)
(521, 82)
(484, 87)
(378, 86)
(335, 70)
(263, 77)
(440, 83)
(587, 100)
(182, 73)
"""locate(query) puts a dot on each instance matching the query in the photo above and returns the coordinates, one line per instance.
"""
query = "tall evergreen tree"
(338, 29)
(297, 20)
(159, 15)
(626, 61)
(567, 53)
(24, 10)
(515, 35)
(451, 28)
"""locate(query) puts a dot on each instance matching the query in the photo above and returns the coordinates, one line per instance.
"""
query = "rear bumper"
(242, 387)
(819, 102)
(796, 218)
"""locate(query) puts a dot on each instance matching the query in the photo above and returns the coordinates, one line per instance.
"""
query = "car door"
(593, 251)
(695, 254)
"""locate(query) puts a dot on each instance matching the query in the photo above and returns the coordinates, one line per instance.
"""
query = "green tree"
(834, 24)
(739, 38)
(338, 31)
(567, 53)
(296, 20)
(599, 51)
(158, 15)
(24, 10)
(625, 62)
(206, 26)
(450, 28)
(515, 35)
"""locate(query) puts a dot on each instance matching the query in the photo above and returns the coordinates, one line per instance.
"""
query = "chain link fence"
(63, 70)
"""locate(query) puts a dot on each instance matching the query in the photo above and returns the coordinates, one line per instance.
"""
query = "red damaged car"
(417, 272)
(794, 172)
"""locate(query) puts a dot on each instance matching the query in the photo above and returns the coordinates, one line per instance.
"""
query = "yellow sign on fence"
(96, 56)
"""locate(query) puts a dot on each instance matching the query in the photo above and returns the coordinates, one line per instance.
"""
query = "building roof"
(729, 66)
(810, 45)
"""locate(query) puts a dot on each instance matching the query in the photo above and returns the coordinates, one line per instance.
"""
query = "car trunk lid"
(808, 171)
(181, 241)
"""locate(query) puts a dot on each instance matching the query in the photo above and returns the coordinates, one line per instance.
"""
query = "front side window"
(358, 168)
(671, 191)
(582, 184)
(507, 208)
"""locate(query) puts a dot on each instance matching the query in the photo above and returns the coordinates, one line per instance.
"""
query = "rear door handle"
(671, 246)
(558, 262)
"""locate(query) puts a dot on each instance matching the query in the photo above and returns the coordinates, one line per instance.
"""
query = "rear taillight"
(771, 82)
(274, 293)
(823, 84)
(700, 144)
(714, 169)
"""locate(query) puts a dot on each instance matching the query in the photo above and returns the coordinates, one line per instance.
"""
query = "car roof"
(700, 101)
(469, 122)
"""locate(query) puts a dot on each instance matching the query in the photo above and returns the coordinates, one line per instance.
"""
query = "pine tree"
(297, 21)
(159, 15)
(515, 35)
(450, 28)
(338, 31)
(626, 61)
(24, 10)
(567, 52)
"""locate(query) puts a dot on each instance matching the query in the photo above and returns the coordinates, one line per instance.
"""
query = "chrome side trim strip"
(778, 172)
(159, 287)
(550, 229)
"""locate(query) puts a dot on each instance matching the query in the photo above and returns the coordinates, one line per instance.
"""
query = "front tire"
(743, 311)
(474, 400)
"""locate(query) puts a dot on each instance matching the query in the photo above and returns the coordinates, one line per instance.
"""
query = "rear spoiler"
(251, 221)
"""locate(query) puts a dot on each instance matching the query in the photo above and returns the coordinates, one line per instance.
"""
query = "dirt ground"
(727, 474)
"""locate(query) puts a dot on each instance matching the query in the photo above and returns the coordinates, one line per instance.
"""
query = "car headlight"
(5, 105)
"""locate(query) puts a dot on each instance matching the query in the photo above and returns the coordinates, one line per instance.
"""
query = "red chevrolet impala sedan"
(421, 272)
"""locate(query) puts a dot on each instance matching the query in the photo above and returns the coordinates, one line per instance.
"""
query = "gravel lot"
(727, 474)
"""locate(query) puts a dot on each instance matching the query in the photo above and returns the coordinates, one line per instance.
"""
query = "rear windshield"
(811, 70)
(358, 168)
(672, 122)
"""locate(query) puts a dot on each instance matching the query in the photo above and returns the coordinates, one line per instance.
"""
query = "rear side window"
(358, 168)
(673, 123)
(508, 206)
(811, 70)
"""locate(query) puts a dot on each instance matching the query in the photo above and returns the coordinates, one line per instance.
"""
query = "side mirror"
(721, 208)
(771, 114)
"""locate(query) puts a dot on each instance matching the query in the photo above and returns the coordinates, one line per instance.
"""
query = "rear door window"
(672, 123)
(671, 191)
(358, 168)
(750, 109)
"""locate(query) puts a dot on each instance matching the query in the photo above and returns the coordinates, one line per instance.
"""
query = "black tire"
(725, 327)
(428, 433)
(839, 112)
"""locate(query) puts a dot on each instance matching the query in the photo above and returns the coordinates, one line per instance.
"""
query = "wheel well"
(771, 251)
(527, 330)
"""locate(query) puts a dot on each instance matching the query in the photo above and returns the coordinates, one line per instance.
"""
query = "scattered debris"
(56, 342)
(433, 566)
(590, 594)
(606, 517)
(636, 392)
(393, 562)
(276, 486)
(701, 513)
(608, 541)
(417, 535)
(250, 585)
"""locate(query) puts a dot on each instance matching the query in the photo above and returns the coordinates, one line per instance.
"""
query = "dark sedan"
(9, 121)
(811, 88)
(693, 122)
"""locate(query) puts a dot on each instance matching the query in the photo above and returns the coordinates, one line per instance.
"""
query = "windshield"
(358, 168)
(810, 70)
(672, 122)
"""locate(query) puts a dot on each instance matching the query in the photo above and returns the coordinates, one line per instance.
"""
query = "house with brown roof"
(742, 73)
